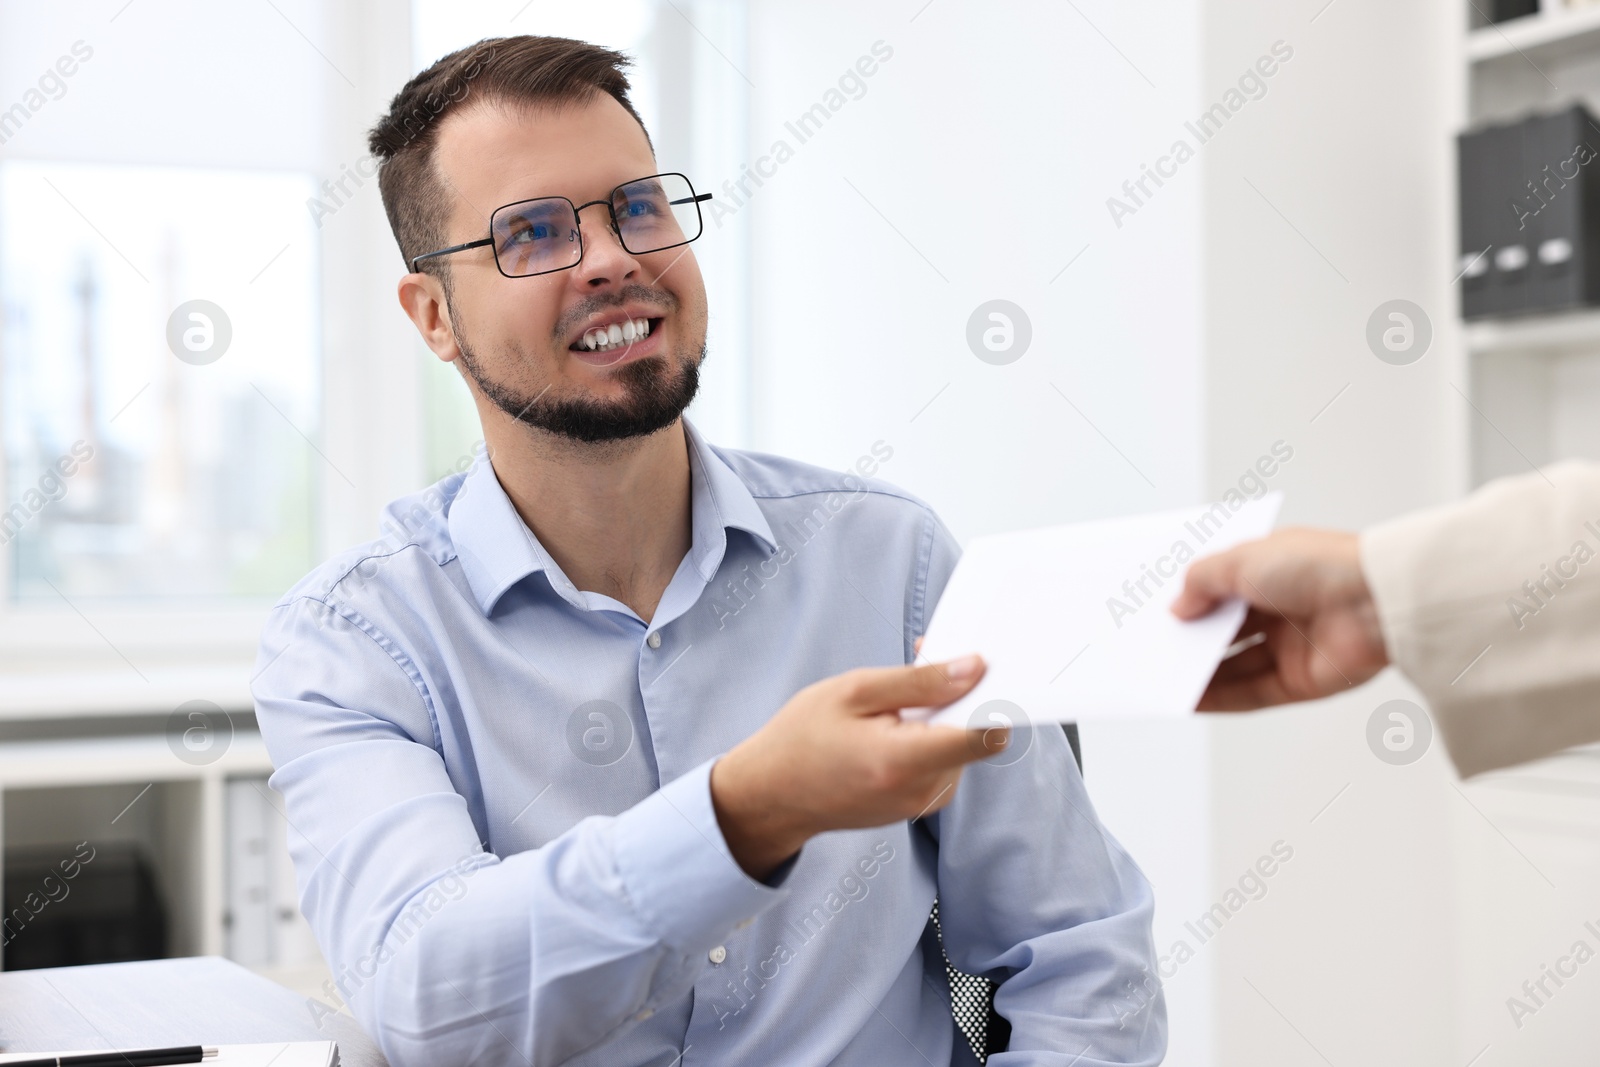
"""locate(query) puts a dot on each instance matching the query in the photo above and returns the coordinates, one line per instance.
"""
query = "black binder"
(109, 912)
(1514, 225)
(1562, 270)
(1476, 204)
(1530, 194)
(1489, 159)
(1502, 10)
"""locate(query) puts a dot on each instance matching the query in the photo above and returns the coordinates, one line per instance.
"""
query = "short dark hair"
(508, 70)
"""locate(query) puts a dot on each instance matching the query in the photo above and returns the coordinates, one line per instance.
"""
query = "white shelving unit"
(1535, 380)
(1555, 32)
(132, 788)
(1569, 330)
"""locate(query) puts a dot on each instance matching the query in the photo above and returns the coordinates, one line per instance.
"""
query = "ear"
(422, 297)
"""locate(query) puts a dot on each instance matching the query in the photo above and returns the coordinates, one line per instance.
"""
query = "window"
(168, 468)
(160, 358)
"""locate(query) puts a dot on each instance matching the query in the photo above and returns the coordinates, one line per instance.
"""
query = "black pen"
(142, 1057)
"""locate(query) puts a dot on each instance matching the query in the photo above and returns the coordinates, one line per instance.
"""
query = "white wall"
(1217, 319)
(975, 167)
(1349, 956)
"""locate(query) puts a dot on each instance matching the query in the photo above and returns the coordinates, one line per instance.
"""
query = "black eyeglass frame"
(577, 213)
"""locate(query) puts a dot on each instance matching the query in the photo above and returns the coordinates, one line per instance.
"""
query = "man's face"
(521, 340)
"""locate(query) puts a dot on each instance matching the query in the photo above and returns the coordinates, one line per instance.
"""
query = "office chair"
(972, 995)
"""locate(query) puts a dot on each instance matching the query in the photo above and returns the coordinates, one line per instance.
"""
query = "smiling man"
(685, 834)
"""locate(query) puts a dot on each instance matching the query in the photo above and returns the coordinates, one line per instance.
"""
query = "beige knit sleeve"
(1492, 607)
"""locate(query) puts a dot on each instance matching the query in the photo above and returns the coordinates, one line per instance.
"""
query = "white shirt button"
(654, 640)
(718, 954)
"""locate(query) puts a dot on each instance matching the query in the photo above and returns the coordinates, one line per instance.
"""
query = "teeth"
(604, 338)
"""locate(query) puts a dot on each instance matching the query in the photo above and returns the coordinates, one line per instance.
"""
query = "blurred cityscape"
(130, 472)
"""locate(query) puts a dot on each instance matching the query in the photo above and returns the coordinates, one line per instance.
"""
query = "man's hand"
(1309, 598)
(837, 757)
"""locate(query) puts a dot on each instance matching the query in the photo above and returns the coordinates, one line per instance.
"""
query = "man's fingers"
(869, 690)
(924, 749)
(928, 747)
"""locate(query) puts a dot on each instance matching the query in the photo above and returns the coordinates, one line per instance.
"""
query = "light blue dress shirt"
(497, 786)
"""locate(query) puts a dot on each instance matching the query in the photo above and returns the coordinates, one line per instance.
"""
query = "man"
(598, 760)
(1488, 606)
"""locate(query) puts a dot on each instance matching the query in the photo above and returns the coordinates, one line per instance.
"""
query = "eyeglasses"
(541, 236)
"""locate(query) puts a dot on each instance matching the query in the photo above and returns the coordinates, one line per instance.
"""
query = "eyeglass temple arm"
(453, 248)
(691, 199)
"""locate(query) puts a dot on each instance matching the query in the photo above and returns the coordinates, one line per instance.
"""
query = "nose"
(605, 262)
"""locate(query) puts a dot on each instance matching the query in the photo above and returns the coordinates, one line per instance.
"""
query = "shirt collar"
(497, 549)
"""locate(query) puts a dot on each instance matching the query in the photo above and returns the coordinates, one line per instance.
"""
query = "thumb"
(1207, 583)
(869, 690)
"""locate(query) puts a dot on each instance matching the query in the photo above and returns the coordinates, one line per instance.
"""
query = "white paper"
(1073, 621)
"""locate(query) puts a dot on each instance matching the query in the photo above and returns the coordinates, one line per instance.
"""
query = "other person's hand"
(837, 756)
(1310, 600)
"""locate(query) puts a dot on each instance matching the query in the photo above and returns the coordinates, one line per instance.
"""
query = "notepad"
(273, 1053)
(1073, 621)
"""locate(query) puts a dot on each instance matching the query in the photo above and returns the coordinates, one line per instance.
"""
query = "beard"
(656, 393)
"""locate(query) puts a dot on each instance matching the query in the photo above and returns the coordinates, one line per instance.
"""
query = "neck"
(614, 516)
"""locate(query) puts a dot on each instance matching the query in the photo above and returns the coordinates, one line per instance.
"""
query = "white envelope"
(1073, 621)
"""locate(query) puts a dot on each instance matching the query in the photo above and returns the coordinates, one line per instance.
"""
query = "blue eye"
(542, 231)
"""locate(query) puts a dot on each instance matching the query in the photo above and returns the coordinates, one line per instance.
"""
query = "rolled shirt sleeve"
(447, 953)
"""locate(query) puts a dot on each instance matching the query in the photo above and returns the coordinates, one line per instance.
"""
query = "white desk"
(202, 1000)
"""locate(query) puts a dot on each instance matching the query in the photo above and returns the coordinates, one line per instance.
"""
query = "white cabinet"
(213, 833)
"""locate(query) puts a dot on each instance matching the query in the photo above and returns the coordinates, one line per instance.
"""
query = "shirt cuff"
(677, 869)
